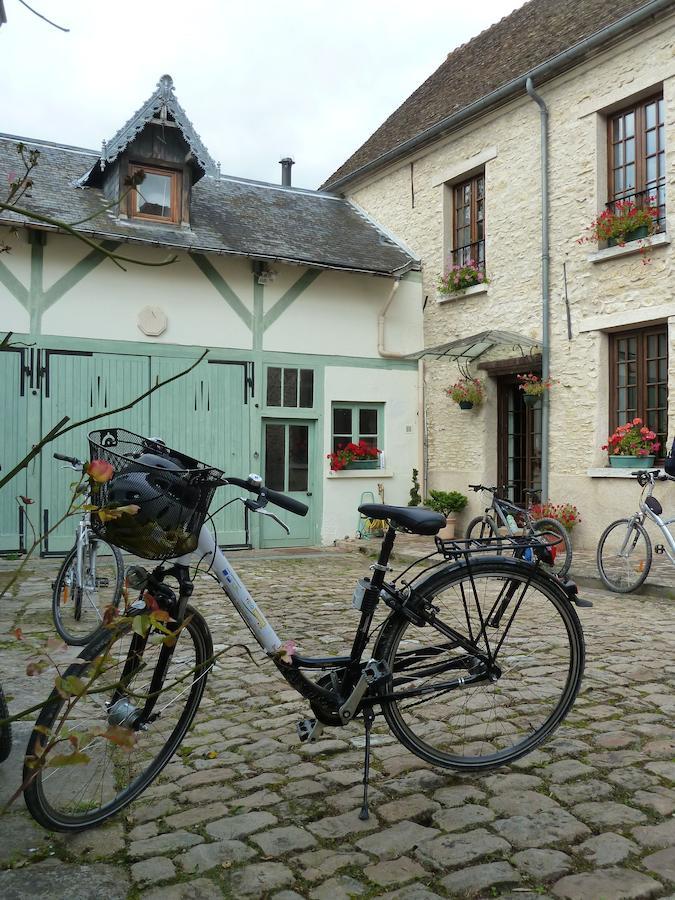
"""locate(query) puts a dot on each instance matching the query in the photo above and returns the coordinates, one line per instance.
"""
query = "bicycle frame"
(661, 524)
(502, 508)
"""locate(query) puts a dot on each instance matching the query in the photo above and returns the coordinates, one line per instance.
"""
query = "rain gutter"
(545, 70)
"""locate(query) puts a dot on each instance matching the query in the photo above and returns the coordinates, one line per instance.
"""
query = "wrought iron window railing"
(654, 197)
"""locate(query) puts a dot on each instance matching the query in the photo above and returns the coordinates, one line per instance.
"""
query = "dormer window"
(157, 198)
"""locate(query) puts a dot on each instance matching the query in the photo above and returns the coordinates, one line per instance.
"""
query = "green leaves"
(70, 686)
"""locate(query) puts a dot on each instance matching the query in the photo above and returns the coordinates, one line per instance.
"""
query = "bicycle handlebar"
(275, 497)
(481, 487)
(69, 459)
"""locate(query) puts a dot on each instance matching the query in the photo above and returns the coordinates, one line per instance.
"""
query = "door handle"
(309, 493)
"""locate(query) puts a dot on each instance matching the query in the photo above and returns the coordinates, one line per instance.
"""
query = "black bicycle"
(516, 519)
(478, 661)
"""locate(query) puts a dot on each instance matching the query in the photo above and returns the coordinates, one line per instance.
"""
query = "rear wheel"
(79, 599)
(556, 534)
(124, 742)
(624, 555)
(498, 697)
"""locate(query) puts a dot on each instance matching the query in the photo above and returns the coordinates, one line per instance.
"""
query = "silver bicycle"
(625, 549)
(91, 578)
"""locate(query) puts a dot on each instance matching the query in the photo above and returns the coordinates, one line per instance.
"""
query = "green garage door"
(206, 415)
(81, 385)
(16, 392)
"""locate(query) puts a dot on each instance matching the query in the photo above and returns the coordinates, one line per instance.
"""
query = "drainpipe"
(545, 286)
(389, 354)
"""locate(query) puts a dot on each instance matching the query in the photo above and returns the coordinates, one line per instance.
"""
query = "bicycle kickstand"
(368, 719)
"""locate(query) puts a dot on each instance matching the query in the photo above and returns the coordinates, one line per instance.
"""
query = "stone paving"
(245, 810)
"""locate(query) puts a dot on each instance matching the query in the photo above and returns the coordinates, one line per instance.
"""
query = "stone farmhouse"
(505, 155)
(309, 308)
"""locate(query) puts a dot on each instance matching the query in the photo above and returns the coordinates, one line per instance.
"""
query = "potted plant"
(448, 503)
(565, 513)
(622, 222)
(354, 456)
(632, 445)
(415, 496)
(468, 392)
(533, 387)
(459, 278)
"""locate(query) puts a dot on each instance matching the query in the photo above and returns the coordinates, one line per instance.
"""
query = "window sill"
(467, 292)
(609, 472)
(659, 240)
(361, 473)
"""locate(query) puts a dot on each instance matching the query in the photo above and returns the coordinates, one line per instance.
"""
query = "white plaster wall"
(13, 317)
(106, 303)
(462, 446)
(397, 389)
(346, 307)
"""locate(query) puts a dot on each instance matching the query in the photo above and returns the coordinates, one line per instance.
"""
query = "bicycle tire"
(79, 620)
(548, 644)
(5, 729)
(614, 574)
(563, 551)
(483, 527)
(55, 797)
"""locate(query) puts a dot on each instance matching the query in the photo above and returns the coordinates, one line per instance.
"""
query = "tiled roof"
(228, 215)
(528, 37)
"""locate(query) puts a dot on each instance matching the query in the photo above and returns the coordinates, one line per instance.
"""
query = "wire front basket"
(157, 499)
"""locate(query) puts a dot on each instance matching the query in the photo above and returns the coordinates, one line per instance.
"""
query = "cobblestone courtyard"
(245, 810)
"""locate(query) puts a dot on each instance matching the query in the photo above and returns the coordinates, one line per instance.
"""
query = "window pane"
(275, 457)
(651, 142)
(274, 387)
(650, 114)
(629, 124)
(630, 150)
(367, 422)
(370, 441)
(306, 388)
(154, 195)
(290, 387)
(342, 421)
(298, 457)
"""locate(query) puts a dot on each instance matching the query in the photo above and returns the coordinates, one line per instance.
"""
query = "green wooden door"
(14, 442)
(206, 415)
(288, 454)
(79, 385)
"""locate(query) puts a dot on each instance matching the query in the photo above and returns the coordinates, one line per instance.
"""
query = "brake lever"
(267, 512)
(257, 506)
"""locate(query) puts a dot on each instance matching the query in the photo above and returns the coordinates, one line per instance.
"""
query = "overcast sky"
(259, 80)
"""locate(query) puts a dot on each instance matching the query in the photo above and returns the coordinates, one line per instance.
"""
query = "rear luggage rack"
(519, 545)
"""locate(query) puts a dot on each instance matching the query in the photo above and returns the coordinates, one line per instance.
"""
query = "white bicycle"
(91, 577)
(625, 550)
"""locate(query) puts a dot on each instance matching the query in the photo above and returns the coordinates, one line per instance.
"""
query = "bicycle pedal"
(659, 548)
(309, 730)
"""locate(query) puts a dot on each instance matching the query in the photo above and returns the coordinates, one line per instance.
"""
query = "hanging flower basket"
(533, 387)
(467, 392)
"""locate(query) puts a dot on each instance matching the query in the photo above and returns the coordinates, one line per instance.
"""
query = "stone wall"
(605, 291)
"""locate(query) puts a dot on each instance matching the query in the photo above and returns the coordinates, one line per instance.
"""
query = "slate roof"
(228, 216)
(529, 36)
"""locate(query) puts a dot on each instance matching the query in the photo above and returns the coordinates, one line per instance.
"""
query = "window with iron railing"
(637, 157)
(469, 222)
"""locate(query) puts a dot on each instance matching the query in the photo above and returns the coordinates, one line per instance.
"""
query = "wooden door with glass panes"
(288, 448)
(518, 442)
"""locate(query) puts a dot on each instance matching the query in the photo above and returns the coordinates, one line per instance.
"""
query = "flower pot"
(635, 235)
(448, 532)
(530, 399)
(631, 462)
(363, 464)
(465, 404)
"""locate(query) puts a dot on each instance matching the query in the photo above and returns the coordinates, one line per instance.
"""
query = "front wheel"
(82, 593)
(560, 542)
(624, 555)
(5, 729)
(483, 527)
(127, 728)
(492, 675)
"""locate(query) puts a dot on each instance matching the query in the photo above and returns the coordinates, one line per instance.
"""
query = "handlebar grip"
(294, 506)
(475, 487)
(69, 459)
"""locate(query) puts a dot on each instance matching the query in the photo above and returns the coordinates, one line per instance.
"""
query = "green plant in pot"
(448, 503)
(467, 392)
